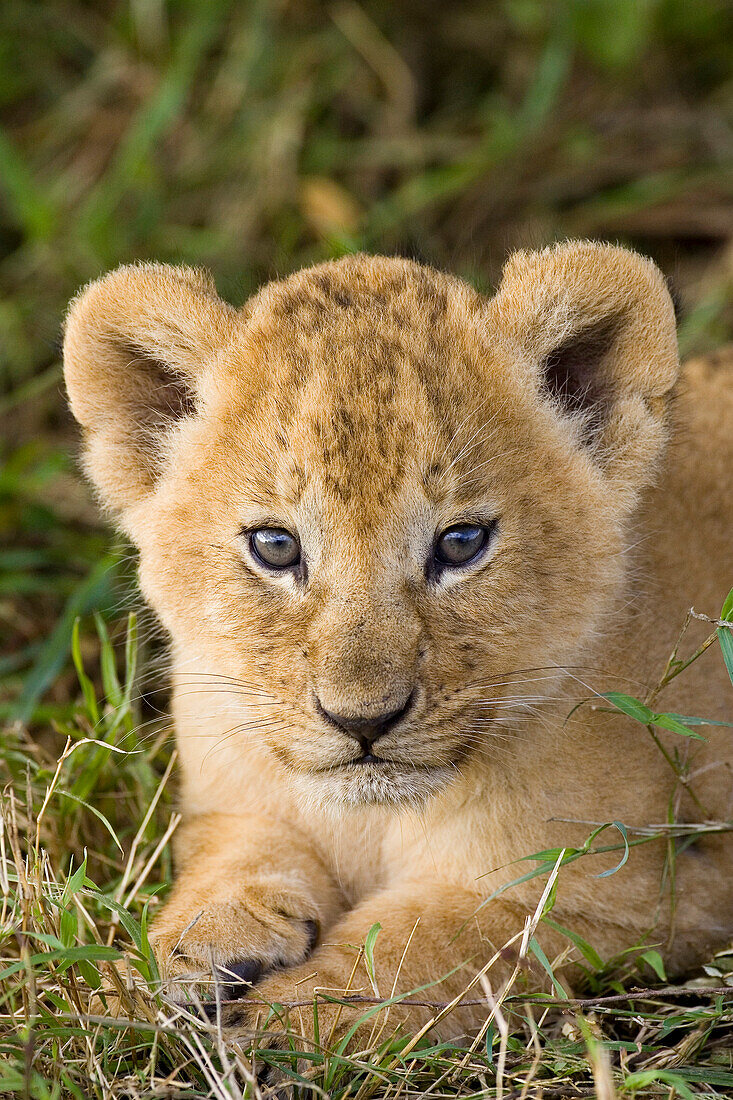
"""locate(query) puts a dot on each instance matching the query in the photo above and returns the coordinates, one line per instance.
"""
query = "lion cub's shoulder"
(712, 370)
(706, 393)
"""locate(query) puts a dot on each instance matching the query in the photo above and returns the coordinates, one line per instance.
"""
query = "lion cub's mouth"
(378, 763)
(372, 780)
(368, 758)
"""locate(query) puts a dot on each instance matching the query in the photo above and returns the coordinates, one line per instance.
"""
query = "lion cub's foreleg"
(433, 940)
(251, 894)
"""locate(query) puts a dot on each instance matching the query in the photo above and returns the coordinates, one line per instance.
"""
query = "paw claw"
(313, 932)
(237, 978)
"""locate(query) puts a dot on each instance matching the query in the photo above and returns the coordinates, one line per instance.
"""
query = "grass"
(254, 138)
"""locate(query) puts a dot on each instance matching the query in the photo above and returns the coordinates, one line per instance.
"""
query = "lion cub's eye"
(460, 544)
(274, 547)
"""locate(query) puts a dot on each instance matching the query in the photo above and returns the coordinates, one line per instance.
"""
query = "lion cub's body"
(366, 405)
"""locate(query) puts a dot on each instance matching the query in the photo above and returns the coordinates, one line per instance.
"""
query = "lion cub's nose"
(367, 728)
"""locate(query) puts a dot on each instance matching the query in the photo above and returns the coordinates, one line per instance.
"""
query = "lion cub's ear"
(593, 328)
(136, 345)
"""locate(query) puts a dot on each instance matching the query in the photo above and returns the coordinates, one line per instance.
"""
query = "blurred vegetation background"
(259, 136)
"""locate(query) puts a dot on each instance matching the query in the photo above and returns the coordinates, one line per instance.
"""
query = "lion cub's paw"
(279, 1015)
(227, 945)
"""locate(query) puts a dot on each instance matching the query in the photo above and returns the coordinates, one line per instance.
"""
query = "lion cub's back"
(706, 438)
(698, 489)
(687, 547)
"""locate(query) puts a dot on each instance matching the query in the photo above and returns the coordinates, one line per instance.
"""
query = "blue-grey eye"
(274, 547)
(460, 544)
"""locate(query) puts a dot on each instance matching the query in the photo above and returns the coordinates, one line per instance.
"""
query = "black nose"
(367, 728)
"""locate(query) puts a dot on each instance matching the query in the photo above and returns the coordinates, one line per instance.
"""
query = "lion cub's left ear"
(592, 327)
(137, 347)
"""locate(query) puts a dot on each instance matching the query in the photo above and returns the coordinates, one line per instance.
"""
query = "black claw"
(268, 1077)
(313, 931)
(231, 1011)
(238, 977)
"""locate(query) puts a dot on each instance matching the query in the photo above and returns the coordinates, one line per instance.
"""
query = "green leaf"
(545, 964)
(551, 855)
(75, 881)
(126, 920)
(725, 637)
(48, 938)
(97, 591)
(551, 897)
(646, 1077)
(89, 973)
(87, 687)
(629, 705)
(490, 1038)
(152, 974)
(67, 927)
(612, 871)
(110, 679)
(583, 946)
(690, 720)
(670, 722)
(654, 959)
(130, 657)
(642, 713)
(726, 611)
(569, 856)
(97, 813)
(66, 956)
(371, 938)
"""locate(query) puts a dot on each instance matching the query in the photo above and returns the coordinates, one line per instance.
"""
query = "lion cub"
(397, 533)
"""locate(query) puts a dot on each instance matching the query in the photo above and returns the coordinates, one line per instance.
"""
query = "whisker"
(220, 744)
(234, 693)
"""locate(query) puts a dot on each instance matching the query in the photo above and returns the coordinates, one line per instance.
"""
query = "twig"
(667, 993)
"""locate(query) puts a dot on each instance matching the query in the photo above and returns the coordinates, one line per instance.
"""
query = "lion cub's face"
(374, 514)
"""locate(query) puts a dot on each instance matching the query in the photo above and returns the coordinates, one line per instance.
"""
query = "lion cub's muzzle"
(366, 729)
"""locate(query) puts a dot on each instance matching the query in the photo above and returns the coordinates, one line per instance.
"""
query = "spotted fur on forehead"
(397, 291)
(345, 343)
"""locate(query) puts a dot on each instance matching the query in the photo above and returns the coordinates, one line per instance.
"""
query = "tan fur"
(366, 404)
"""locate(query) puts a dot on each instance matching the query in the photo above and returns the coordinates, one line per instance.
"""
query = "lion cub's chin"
(386, 784)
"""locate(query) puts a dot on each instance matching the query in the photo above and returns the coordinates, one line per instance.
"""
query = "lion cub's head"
(372, 498)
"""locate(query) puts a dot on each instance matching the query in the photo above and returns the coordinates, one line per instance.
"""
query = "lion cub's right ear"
(137, 343)
(592, 326)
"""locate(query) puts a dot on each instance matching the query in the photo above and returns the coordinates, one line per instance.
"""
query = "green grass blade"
(725, 638)
(97, 591)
